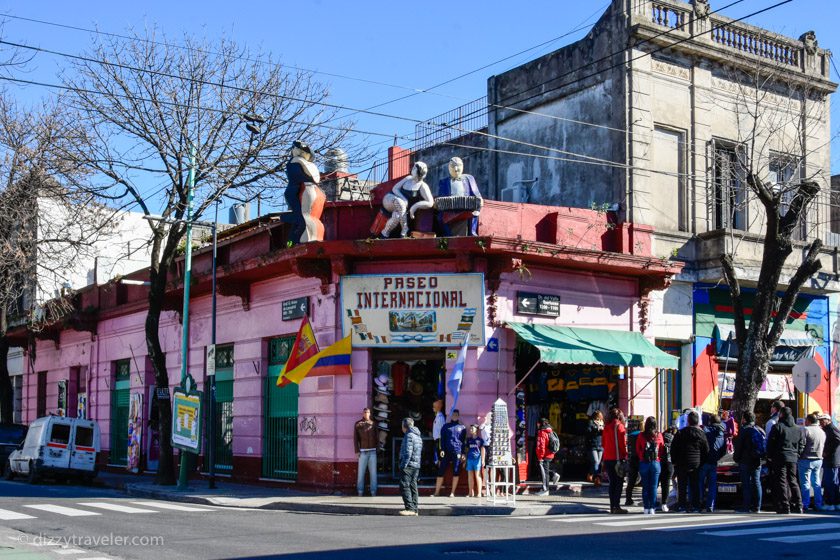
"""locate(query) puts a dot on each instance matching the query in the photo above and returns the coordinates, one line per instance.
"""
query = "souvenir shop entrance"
(405, 384)
(567, 395)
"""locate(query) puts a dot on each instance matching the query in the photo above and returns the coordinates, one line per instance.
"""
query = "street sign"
(493, 345)
(211, 360)
(162, 393)
(295, 308)
(806, 375)
(538, 304)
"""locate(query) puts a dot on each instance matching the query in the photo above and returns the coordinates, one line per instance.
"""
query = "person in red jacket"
(650, 446)
(545, 456)
(615, 449)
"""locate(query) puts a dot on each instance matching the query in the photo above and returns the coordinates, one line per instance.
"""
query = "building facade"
(409, 305)
(664, 133)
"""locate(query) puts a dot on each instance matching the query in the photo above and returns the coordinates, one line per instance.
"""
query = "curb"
(333, 508)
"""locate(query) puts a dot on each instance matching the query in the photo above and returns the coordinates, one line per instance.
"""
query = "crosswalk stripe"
(664, 519)
(61, 510)
(715, 525)
(116, 507)
(174, 507)
(583, 518)
(804, 538)
(68, 551)
(6, 515)
(772, 529)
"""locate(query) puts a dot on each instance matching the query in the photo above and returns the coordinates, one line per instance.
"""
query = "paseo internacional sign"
(405, 310)
(186, 417)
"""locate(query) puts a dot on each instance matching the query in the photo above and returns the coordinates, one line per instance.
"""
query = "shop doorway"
(405, 384)
(120, 402)
(224, 409)
(567, 395)
(280, 438)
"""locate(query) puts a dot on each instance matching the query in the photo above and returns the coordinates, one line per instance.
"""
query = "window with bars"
(280, 407)
(120, 403)
(729, 184)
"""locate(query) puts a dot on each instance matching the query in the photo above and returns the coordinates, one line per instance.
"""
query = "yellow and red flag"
(305, 347)
(333, 360)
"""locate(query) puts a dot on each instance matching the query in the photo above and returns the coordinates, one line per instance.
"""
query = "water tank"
(240, 213)
(336, 160)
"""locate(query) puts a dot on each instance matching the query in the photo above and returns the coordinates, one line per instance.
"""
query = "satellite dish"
(806, 375)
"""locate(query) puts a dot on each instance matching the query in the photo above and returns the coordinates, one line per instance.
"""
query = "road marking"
(174, 507)
(6, 515)
(804, 538)
(715, 525)
(760, 530)
(61, 510)
(68, 551)
(664, 519)
(116, 507)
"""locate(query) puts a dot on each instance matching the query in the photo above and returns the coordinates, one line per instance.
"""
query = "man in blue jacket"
(412, 448)
(715, 436)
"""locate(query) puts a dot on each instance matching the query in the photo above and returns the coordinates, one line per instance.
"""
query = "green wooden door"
(281, 414)
(224, 409)
(120, 402)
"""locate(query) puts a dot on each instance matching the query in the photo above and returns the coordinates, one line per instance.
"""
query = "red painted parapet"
(399, 162)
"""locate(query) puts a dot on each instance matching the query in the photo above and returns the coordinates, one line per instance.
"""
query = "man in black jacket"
(749, 457)
(688, 452)
(784, 446)
(831, 464)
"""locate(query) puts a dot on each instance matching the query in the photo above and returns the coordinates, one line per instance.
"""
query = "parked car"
(58, 447)
(729, 489)
(11, 436)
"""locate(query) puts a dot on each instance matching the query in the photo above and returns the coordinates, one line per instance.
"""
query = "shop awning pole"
(652, 379)
(524, 378)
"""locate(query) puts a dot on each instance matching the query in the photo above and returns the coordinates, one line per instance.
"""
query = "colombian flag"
(305, 347)
(334, 360)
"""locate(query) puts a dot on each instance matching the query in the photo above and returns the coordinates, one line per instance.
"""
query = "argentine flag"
(457, 374)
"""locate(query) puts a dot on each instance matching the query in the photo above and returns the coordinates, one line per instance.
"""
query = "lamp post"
(211, 447)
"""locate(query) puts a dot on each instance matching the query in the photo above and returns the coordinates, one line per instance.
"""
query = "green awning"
(576, 345)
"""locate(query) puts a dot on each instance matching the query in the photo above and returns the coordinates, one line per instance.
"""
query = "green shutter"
(281, 414)
(120, 402)
(224, 409)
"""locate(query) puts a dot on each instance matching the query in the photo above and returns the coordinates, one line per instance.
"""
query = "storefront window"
(567, 395)
(405, 384)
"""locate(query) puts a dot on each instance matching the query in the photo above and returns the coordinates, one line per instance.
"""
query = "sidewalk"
(575, 498)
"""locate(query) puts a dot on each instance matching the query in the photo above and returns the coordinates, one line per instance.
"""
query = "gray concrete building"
(659, 113)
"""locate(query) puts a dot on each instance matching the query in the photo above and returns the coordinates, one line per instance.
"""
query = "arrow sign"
(493, 345)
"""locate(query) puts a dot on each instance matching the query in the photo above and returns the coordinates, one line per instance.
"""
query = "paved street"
(48, 521)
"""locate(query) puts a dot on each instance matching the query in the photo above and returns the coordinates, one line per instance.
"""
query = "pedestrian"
(775, 409)
(750, 449)
(688, 452)
(831, 464)
(365, 440)
(452, 441)
(475, 461)
(667, 466)
(545, 455)
(594, 444)
(785, 444)
(615, 454)
(484, 430)
(730, 430)
(649, 448)
(716, 437)
(410, 452)
(811, 462)
(633, 431)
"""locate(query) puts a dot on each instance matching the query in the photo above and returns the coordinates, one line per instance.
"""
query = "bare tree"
(143, 106)
(46, 230)
(780, 193)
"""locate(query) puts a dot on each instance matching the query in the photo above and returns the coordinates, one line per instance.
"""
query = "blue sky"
(406, 44)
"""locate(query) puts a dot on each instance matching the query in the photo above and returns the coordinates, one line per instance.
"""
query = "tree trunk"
(157, 292)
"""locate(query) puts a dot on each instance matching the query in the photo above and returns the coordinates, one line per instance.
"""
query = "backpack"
(553, 442)
(759, 444)
(651, 451)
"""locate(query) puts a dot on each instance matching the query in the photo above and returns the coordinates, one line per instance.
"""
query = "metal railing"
(458, 122)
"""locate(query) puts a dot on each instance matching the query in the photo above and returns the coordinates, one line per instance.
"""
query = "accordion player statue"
(458, 202)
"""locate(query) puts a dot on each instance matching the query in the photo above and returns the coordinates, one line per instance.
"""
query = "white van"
(57, 446)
